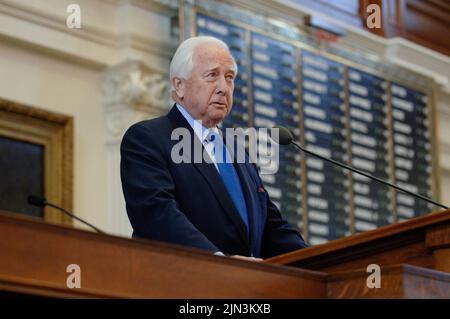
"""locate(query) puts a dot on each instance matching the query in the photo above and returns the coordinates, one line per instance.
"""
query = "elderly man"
(217, 205)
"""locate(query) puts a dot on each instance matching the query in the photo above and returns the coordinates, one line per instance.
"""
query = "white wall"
(47, 65)
(47, 82)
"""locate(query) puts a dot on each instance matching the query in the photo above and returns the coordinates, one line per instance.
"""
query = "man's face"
(208, 93)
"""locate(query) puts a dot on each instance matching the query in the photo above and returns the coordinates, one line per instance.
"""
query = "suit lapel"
(211, 175)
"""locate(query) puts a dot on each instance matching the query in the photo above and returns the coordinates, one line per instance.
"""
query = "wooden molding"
(55, 133)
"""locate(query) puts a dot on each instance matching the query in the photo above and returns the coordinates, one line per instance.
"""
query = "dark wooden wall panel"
(426, 22)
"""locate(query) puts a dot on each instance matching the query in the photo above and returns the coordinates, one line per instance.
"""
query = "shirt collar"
(200, 130)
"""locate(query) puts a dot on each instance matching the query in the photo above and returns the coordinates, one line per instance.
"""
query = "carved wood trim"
(55, 133)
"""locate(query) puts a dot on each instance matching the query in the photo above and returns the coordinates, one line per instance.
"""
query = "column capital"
(132, 92)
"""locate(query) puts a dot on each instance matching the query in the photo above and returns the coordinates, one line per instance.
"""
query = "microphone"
(285, 137)
(42, 202)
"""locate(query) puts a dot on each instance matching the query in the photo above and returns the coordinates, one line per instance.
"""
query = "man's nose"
(222, 86)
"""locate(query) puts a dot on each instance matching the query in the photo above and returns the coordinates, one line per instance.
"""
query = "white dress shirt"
(201, 132)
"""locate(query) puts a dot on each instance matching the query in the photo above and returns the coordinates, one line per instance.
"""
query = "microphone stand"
(73, 216)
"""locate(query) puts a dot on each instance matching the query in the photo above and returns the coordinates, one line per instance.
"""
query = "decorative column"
(132, 92)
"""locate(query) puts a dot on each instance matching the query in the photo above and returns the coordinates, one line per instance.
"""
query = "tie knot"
(211, 137)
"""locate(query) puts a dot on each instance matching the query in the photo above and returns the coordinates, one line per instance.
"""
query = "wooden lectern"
(414, 258)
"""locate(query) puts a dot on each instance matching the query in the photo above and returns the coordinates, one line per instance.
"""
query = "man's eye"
(212, 74)
(230, 78)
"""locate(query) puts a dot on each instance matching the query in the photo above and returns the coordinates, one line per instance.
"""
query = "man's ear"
(179, 86)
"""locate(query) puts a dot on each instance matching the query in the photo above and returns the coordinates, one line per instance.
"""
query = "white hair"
(182, 61)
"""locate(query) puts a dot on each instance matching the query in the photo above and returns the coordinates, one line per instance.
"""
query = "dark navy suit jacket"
(188, 204)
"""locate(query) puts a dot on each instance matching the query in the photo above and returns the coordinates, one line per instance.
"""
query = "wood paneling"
(397, 281)
(426, 22)
(35, 256)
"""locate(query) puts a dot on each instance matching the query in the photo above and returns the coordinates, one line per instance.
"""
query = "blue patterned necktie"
(229, 176)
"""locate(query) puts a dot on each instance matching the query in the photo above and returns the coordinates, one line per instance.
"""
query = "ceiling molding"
(57, 23)
(87, 33)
